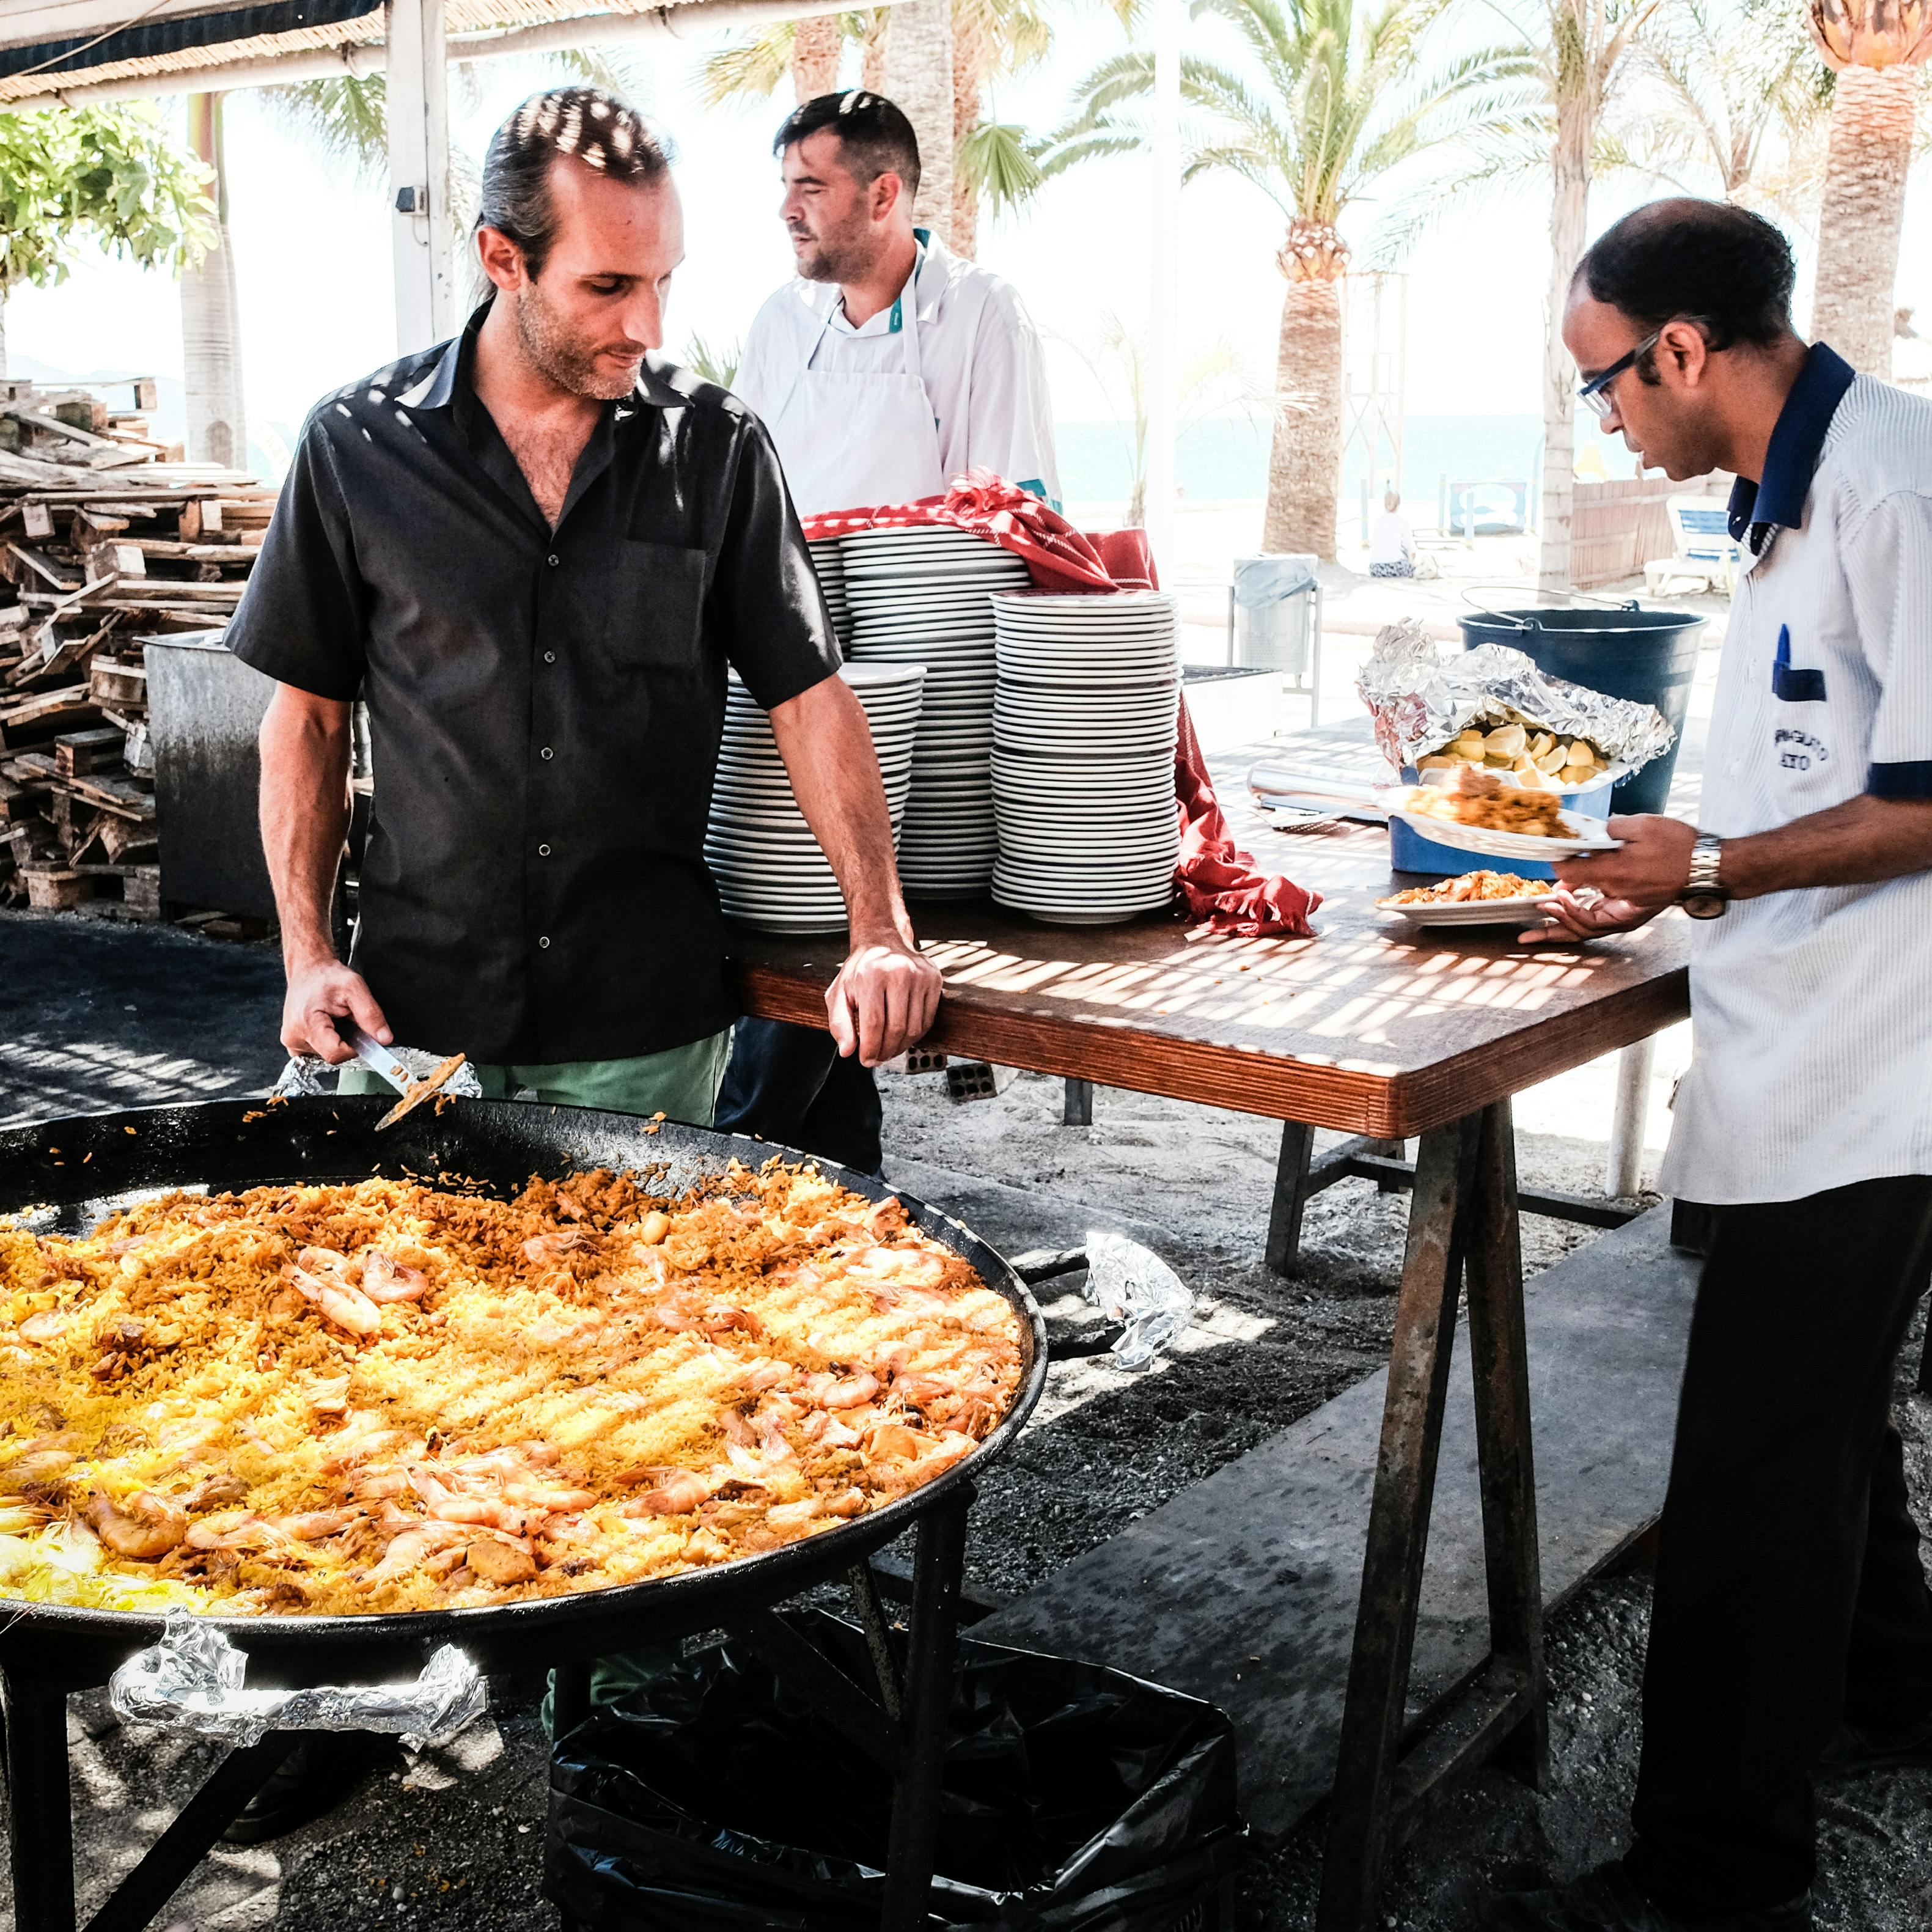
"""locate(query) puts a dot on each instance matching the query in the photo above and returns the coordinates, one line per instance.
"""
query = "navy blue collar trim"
(460, 351)
(1797, 440)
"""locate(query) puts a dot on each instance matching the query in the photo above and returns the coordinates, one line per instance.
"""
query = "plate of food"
(1478, 811)
(1474, 898)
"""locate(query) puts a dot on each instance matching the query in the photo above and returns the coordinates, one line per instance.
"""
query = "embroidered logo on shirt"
(1798, 751)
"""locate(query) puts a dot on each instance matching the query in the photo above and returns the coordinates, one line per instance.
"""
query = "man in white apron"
(889, 367)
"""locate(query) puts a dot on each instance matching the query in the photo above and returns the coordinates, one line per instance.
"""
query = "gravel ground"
(452, 1838)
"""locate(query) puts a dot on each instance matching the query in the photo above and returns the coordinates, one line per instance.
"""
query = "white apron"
(853, 441)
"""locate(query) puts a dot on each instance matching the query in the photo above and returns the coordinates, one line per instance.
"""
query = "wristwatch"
(1704, 896)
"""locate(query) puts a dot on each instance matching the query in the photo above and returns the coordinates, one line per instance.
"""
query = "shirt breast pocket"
(655, 620)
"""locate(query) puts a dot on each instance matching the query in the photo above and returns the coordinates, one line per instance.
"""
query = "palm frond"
(752, 69)
(997, 163)
(345, 120)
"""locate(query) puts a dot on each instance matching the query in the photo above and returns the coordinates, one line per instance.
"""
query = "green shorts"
(681, 1083)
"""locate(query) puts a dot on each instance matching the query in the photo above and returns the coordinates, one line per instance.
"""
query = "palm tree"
(1581, 53)
(919, 77)
(115, 176)
(1333, 97)
(1738, 97)
(217, 414)
(1876, 50)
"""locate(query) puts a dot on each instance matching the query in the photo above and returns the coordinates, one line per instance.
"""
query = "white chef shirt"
(1391, 537)
(979, 356)
(1811, 1011)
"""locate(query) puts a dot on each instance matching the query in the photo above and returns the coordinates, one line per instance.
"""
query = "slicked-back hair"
(1709, 261)
(599, 130)
(875, 136)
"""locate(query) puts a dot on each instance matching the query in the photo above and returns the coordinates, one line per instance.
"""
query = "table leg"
(40, 1815)
(1359, 1831)
(1623, 1169)
(1077, 1107)
(569, 1698)
(1499, 1366)
(930, 1646)
(1925, 1360)
(1290, 1198)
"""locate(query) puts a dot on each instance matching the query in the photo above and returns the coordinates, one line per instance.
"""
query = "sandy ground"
(93, 1015)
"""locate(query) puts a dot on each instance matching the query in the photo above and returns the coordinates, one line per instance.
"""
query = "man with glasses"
(1791, 1629)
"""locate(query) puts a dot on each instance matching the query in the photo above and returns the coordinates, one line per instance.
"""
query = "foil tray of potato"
(1493, 706)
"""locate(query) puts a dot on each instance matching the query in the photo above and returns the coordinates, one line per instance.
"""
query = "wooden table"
(1379, 1029)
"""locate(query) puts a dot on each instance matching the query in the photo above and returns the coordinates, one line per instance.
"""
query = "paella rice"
(386, 1395)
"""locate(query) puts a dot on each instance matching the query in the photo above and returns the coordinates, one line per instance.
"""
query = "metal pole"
(421, 238)
(1164, 292)
(1623, 1169)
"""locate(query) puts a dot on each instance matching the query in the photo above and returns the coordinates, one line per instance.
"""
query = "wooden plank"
(1243, 1589)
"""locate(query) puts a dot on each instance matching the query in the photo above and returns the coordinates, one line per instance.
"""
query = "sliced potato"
(1462, 753)
(1540, 742)
(1436, 762)
(1470, 734)
(1550, 758)
(1507, 740)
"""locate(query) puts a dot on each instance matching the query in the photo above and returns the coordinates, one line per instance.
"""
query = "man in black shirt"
(534, 550)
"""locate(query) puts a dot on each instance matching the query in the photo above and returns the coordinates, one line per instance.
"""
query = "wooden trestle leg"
(1464, 1220)
(40, 1815)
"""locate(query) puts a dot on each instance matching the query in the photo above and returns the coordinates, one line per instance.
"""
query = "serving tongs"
(384, 1064)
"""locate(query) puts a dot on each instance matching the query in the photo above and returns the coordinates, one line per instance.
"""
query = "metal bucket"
(1649, 656)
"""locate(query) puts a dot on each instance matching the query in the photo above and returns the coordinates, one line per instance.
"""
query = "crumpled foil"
(192, 1680)
(1419, 700)
(1132, 1285)
(309, 1077)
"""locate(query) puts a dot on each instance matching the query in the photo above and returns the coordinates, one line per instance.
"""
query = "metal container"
(1648, 655)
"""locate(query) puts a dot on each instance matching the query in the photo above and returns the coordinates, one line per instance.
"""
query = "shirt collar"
(889, 321)
(457, 357)
(1797, 441)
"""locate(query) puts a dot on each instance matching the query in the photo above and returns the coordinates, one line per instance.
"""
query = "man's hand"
(883, 999)
(1650, 867)
(1590, 916)
(319, 994)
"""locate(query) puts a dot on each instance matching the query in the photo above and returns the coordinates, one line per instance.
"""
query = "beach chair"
(1706, 553)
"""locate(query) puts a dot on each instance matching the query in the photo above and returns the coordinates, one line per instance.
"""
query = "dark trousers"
(1790, 1592)
(789, 1084)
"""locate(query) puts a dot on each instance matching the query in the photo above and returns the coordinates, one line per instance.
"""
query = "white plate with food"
(1475, 898)
(1582, 834)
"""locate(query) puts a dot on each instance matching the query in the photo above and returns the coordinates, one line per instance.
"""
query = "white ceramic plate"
(1520, 912)
(1592, 836)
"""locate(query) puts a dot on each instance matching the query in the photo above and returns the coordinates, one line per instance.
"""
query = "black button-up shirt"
(545, 705)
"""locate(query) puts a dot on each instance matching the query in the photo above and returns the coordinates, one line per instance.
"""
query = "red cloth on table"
(1218, 883)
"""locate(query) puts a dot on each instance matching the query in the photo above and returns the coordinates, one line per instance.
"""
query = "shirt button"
(544, 942)
(543, 851)
(546, 753)
(552, 561)
(549, 657)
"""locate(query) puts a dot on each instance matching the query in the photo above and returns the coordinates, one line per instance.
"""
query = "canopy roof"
(63, 49)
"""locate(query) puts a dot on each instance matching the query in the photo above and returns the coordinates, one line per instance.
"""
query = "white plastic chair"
(1706, 554)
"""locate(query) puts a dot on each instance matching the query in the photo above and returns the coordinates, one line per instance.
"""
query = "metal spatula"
(384, 1065)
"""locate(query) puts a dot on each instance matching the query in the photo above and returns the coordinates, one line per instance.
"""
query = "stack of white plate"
(769, 870)
(1083, 753)
(826, 561)
(924, 596)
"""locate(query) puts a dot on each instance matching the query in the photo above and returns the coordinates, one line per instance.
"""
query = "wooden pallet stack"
(106, 538)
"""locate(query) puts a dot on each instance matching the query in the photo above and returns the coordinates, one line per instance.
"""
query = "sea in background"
(1224, 459)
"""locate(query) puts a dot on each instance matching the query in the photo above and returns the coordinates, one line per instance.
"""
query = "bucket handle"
(1529, 623)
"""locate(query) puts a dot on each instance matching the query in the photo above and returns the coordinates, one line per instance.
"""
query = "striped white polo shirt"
(1811, 1012)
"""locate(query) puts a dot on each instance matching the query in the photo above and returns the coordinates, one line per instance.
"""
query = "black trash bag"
(1075, 1799)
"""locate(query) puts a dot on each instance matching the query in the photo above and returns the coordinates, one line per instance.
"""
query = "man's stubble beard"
(840, 257)
(559, 356)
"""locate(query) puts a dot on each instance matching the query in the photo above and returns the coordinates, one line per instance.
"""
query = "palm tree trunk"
(1863, 210)
(919, 77)
(971, 50)
(217, 429)
(1305, 453)
(872, 61)
(1569, 213)
(818, 45)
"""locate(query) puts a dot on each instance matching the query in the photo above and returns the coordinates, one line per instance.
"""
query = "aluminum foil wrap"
(1132, 1284)
(309, 1077)
(1419, 699)
(192, 1680)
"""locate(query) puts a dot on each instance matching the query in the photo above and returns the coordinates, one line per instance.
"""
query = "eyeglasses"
(1596, 391)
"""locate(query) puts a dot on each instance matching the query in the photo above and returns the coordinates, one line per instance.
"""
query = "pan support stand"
(40, 1818)
(1463, 1228)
